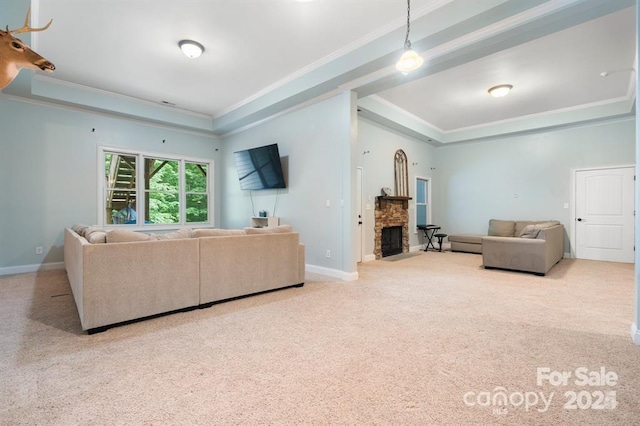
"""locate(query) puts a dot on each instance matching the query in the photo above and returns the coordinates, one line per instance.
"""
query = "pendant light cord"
(407, 43)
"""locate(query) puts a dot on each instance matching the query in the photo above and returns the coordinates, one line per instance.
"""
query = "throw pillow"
(521, 224)
(90, 231)
(98, 237)
(544, 224)
(530, 231)
(79, 229)
(125, 236)
(282, 229)
(502, 228)
(548, 224)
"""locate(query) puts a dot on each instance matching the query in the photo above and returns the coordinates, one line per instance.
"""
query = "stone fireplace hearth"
(391, 212)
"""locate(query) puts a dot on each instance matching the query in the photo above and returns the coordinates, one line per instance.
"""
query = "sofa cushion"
(180, 234)
(282, 229)
(502, 228)
(466, 238)
(95, 235)
(209, 232)
(125, 236)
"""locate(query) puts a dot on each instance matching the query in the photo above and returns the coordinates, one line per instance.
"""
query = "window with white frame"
(422, 201)
(148, 189)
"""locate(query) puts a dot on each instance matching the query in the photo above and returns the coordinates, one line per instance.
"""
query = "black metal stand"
(429, 231)
(440, 237)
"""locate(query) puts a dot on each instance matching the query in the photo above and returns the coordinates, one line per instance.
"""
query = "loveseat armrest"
(74, 246)
(554, 236)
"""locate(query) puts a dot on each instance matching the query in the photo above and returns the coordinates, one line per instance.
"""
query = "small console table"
(429, 231)
(265, 222)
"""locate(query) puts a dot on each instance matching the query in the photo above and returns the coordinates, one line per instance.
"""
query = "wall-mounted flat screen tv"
(260, 168)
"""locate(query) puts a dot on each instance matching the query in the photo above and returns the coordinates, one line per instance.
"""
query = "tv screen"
(260, 168)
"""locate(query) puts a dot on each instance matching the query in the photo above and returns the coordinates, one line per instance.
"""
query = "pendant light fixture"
(410, 60)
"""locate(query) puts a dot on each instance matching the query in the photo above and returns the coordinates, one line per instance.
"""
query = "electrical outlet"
(328, 253)
(38, 250)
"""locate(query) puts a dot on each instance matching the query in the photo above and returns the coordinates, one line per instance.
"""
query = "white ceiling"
(131, 47)
(254, 47)
(558, 71)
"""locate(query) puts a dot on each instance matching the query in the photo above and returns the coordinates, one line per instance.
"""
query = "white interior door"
(360, 216)
(605, 214)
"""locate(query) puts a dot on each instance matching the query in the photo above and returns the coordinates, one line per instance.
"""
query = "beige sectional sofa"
(120, 276)
(528, 246)
(468, 243)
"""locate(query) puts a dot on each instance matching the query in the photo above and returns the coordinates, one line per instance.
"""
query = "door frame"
(572, 210)
(360, 212)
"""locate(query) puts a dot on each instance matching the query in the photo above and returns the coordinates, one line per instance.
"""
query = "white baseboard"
(334, 273)
(567, 255)
(369, 257)
(22, 269)
(635, 334)
(12, 270)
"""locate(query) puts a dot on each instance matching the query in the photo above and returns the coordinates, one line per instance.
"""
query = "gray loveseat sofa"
(528, 246)
(120, 276)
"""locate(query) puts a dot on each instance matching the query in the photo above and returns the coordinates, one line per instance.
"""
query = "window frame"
(427, 180)
(141, 191)
(187, 192)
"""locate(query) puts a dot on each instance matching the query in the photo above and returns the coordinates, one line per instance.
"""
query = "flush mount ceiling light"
(410, 60)
(500, 91)
(191, 48)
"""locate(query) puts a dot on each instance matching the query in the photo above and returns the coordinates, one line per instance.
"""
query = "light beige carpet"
(424, 340)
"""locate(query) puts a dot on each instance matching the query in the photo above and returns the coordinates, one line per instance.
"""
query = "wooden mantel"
(383, 199)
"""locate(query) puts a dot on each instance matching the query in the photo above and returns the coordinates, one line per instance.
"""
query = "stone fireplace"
(391, 212)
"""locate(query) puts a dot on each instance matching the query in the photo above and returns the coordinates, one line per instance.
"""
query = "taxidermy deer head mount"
(14, 54)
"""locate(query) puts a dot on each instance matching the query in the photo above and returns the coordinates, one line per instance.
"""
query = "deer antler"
(26, 28)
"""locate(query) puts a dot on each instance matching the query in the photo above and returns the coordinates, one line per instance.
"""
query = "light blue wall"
(378, 172)
(471, 183)
(311, 141)
(523, 177)
(48, 170)
(48, 167)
